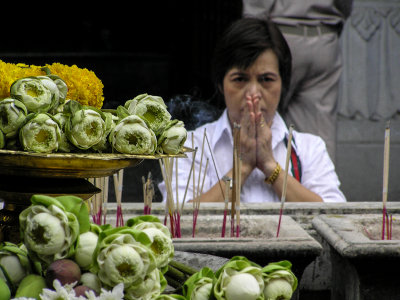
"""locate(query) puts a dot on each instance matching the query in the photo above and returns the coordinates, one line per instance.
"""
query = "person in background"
(252, 67)
(312, 29)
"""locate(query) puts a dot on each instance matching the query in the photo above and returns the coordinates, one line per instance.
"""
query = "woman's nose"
(253, 91)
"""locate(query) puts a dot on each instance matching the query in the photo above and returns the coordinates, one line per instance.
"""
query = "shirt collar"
(222, 127)
(279, 130)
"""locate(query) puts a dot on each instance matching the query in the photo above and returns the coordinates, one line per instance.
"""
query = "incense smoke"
(191, 111)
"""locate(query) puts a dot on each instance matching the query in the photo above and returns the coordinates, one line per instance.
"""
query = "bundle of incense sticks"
(171, 206)
(227, 181)
(148, 194)
(385, 220)
(118, 185)
(98, 202)
(236, 182)
(197, 189)
(283, 196)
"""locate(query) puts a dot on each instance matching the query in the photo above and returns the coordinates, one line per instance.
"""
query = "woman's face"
(261, 79)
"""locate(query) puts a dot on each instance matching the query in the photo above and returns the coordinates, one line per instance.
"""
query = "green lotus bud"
(85, 128)
(152, 109)
(278, 289)
(239, 279)
(61, 85)
(64, 144)
(199, 285)
(151, 286)
(159, 235)
(14, 263)
(280, 281)
(34, 93)
(104, 144)
(12, 115)
(132, 136)
(242, 286)
(40, 133)
(121, 258)
(49, 230)
(87, 242)
(55, 92)
(172, 138)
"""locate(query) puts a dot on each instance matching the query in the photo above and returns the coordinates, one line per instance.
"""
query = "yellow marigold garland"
(83, 85)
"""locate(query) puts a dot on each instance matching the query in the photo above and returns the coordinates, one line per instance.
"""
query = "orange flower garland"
(83, 85)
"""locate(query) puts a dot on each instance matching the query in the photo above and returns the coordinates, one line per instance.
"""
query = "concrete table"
(364, 266)
(257, 240)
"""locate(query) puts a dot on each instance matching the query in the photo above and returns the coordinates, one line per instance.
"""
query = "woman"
(252, 72)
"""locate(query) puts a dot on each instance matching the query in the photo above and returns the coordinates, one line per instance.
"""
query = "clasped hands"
(255, 140)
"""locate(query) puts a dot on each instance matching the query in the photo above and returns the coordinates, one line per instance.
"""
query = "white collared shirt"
(318, 171)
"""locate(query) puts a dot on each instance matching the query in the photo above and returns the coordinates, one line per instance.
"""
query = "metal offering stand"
(23, 174)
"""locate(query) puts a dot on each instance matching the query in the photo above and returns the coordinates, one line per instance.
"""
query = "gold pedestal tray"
(23, 174)
(73, 165)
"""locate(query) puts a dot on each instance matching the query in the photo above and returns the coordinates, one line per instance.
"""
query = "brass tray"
(70, 165)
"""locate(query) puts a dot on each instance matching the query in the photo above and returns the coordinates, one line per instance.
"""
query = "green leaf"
(78, 207)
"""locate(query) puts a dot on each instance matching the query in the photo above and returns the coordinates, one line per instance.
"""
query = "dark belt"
(307, 30)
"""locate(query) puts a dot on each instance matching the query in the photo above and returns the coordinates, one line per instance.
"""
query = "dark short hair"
(243, 42)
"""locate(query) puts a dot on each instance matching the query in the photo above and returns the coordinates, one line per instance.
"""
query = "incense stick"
(196, 194)
(188, 181)
(283, 196)
(215, 166)
(227, 187)
(238, 197)
(118, 184)
(148, 194)
(176, 184)
(194, 173)
(91, 202)
(197, 201)
(234, 177)
(144, 196)
(238, 180)
(201, 162)
(99, 201)
(165, 170)
(177, 212)
(105, 198)
(385, 176)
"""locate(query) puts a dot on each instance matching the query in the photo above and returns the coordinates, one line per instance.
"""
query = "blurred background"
(164, 48)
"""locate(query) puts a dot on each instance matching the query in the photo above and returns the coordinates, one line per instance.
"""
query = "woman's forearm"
(295, 191)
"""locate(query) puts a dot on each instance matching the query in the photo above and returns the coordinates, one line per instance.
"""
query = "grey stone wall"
(369, 97)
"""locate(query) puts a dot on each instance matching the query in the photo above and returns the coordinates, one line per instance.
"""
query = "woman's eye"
(266, 78)
(239, 78)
